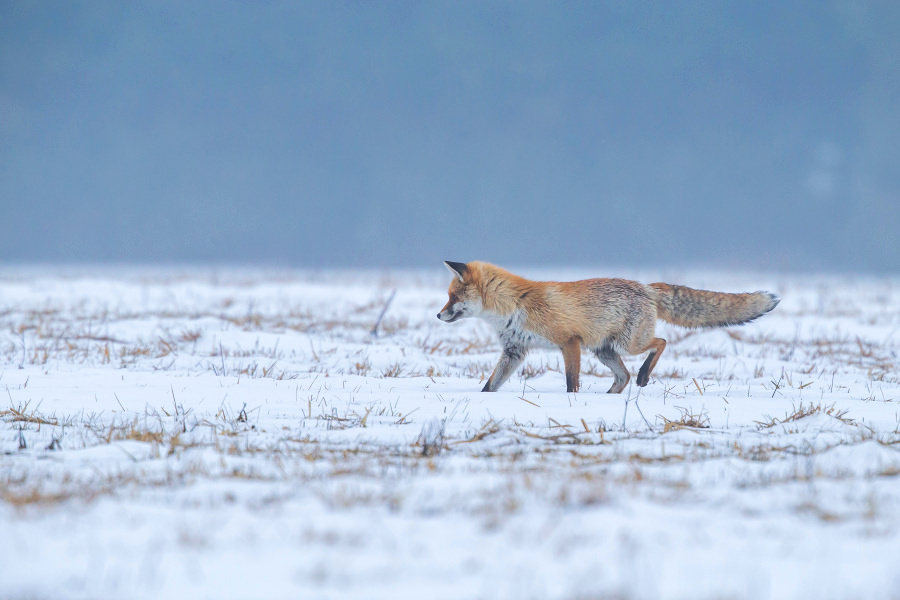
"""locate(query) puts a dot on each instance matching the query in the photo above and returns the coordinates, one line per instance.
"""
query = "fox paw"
(617, 387)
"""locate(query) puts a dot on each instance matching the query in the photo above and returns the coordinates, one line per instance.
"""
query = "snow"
(225, 433)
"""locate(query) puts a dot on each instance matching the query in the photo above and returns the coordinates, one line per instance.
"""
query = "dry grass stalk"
(802, 411)
(19, 415)
(688, 420)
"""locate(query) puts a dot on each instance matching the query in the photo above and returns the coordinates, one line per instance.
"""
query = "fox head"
(465, 298)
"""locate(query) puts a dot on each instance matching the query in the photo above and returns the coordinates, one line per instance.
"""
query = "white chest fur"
(512, 331)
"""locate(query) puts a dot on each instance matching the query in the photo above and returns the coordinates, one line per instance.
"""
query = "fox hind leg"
(613, 361)
(656, 347)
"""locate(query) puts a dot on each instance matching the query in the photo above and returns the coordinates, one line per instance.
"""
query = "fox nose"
(439, 315)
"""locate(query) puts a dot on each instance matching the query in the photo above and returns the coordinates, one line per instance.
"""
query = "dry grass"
(21, 414)
(802, 411)
(394, 370)
(688, 419)
(563, 452)
(34, 496)
(362, 367)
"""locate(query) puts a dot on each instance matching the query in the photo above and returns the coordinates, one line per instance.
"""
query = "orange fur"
(606, 316)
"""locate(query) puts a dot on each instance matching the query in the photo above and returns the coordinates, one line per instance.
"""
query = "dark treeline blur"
(316, 134)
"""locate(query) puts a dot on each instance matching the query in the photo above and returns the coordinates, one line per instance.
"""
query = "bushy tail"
(688, 307)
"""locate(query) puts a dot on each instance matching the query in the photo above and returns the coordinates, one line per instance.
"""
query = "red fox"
(606, 316)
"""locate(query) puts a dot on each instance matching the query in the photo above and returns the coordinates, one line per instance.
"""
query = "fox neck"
(501, 291)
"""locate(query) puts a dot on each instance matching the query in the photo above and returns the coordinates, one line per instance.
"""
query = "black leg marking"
(657, 345)
(643, 377)
(570, 385)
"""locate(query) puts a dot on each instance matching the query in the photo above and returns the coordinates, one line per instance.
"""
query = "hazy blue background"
(758, 134)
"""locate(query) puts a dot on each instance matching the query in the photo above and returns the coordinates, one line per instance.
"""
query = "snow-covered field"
(231, 434)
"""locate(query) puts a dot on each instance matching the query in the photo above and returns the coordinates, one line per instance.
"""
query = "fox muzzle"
(448, 316)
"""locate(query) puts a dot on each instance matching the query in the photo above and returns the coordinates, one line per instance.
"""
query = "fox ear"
(457, 268)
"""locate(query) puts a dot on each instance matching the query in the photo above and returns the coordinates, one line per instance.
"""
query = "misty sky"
(315, 134)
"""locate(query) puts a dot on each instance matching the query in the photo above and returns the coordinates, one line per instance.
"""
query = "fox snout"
(448, 315)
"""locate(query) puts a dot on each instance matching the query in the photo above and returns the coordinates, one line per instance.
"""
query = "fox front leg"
(511, 358)
(572, 359)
